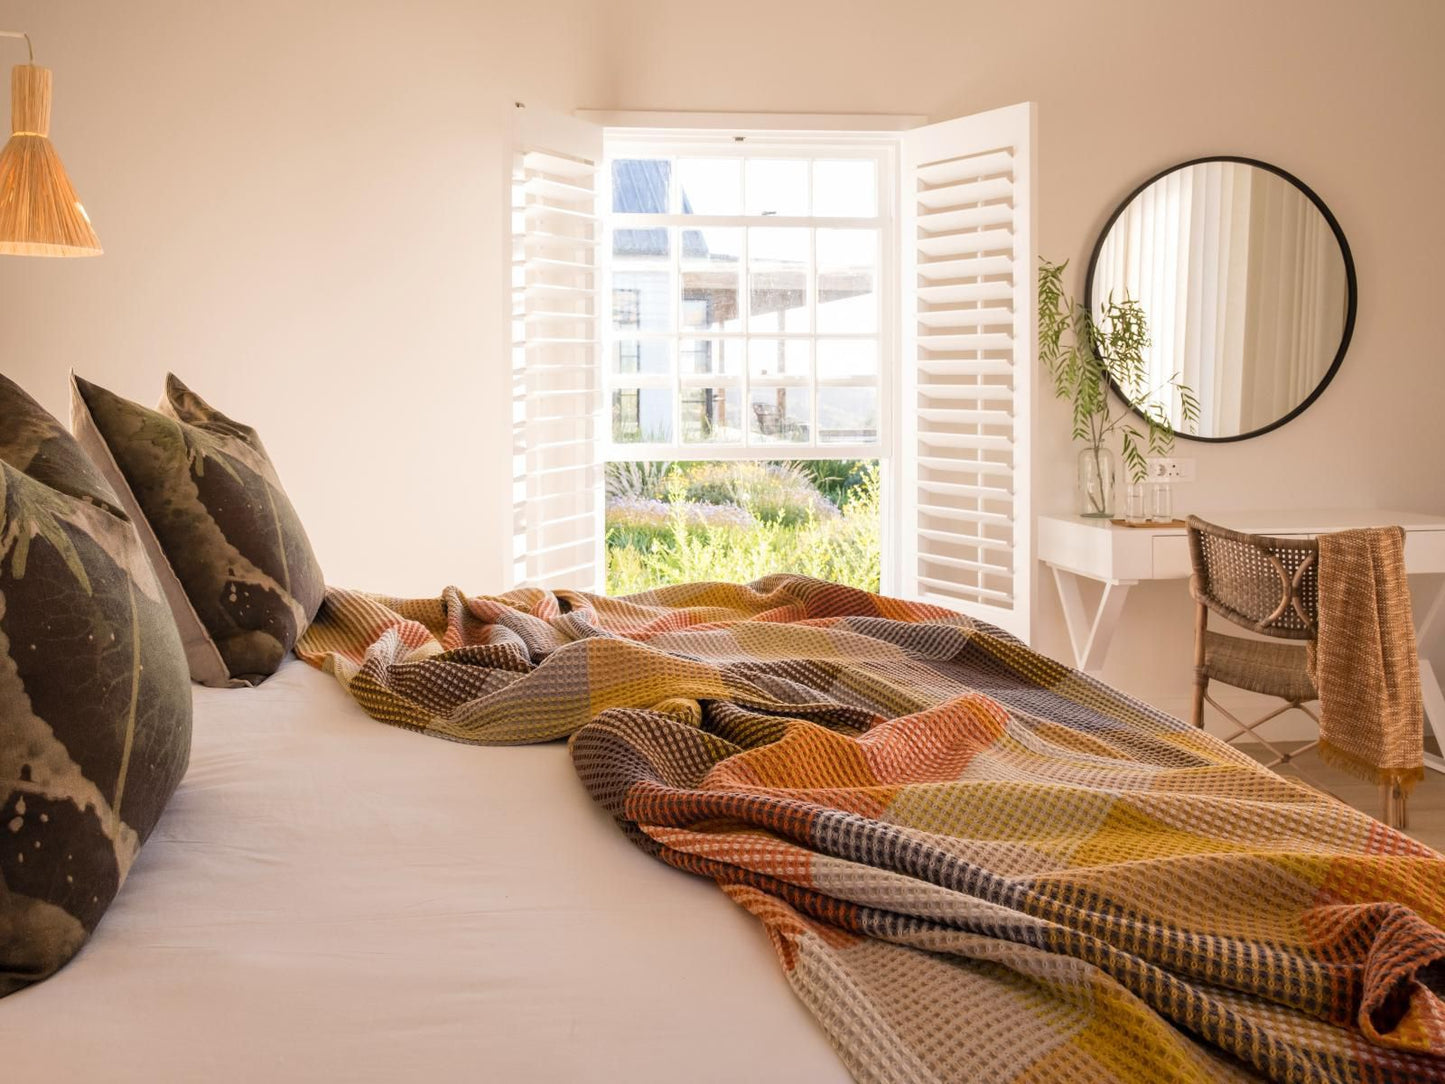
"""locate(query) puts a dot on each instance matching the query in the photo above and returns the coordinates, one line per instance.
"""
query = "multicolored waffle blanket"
(974, 862)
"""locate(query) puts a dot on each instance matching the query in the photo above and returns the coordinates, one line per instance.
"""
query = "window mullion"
(745, 308)
(642, 221)
(812, 288)
(606, 333)
(675, 284)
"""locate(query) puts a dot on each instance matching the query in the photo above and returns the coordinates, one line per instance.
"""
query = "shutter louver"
(968, 303)
(557, 478)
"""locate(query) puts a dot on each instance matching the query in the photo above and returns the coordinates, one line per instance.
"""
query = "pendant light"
(40, 214)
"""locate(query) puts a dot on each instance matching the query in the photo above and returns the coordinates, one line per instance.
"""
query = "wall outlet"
(1163, 469)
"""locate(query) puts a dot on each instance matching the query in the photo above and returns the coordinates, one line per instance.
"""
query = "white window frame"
(649, 143)
(915, 144)
(772, 135)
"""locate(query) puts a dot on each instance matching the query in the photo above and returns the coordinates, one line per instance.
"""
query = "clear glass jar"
(1134, 508)
(1096, 483)
(1163, 501)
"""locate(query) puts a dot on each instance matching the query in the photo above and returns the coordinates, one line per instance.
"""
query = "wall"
(1346, 96)
(301, 206)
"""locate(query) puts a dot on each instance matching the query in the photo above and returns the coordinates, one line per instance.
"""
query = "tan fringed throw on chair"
(1345, 600)
(1364, 660)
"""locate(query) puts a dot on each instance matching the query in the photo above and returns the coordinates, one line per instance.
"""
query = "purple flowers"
(649, 512)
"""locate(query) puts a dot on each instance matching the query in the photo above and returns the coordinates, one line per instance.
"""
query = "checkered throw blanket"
(974, 863)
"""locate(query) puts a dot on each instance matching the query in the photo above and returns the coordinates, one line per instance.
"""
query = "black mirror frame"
(1334, 225)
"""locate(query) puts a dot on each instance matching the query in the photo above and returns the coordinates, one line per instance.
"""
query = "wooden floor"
(1427, 800)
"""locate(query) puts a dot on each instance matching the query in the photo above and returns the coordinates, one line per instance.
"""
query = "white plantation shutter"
(968, 360)
(556, 401)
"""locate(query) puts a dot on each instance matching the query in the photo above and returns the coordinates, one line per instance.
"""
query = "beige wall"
(301, 204)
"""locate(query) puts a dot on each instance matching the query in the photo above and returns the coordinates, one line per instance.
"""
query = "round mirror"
(1246, 283)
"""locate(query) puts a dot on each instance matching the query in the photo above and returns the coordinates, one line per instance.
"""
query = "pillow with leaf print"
(227, 545)
(95, 698)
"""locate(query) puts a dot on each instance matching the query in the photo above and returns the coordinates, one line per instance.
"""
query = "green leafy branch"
(1083, 355)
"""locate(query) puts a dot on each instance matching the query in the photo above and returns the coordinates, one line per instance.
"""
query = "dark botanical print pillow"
(227, 545)
(95, 698)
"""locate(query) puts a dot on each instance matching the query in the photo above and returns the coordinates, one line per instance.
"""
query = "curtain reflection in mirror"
(1244, 287)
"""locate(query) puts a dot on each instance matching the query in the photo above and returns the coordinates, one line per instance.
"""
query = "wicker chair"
(1271, 587)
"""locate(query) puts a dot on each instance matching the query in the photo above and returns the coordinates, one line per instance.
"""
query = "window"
(744, 375)
(750, 287)
(851, 311)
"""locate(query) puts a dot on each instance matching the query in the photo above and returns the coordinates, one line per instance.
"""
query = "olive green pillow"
(231, 553)
(95, 698)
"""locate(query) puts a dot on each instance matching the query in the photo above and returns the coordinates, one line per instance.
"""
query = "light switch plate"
(1173, 469)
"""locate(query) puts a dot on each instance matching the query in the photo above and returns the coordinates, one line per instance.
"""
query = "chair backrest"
(1266, 584)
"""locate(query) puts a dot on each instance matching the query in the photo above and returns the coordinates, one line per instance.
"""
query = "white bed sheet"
(330, 898)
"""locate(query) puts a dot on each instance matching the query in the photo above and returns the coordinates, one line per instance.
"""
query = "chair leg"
(1393, 809)
(1201, 678)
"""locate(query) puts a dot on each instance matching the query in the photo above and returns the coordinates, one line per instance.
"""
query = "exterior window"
(626, 307)
(746, 306)
(747, 359)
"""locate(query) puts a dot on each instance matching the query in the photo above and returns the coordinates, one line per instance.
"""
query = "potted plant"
(1082, 356)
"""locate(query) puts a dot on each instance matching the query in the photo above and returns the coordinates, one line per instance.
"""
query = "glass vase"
(1096, 483)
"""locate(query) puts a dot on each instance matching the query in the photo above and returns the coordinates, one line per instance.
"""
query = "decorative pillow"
(228, 547)
(95, 700)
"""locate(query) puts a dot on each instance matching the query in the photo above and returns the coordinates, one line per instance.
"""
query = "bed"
(921, 850)
(327, 898)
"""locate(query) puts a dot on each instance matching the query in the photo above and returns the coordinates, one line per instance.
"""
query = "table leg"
(1430, 684)
(1090, 635)
(1434, 711)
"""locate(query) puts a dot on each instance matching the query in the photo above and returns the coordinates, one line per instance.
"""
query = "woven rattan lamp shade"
(39, 212)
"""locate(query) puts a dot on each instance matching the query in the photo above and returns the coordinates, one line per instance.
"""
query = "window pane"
(712, 248)
(847, 273)
(780, 415)
(710, 186)
(839, 359)
(640, 301)
(712, 416)
(642, 415)
(845, 189)
(639, 185)
(777, 186)
(645, 356)
(772, 246)
(847, 415)
(779, 349)
(637, 246)
(778, 279)
(777, 357)
(710, 301)
(720, 356)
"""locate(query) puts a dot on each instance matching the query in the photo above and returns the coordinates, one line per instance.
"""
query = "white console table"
(1076, 549)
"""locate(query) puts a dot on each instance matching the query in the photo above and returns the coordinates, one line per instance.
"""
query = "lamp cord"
(21, 34)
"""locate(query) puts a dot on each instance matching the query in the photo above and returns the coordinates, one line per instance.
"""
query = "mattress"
(330, 898)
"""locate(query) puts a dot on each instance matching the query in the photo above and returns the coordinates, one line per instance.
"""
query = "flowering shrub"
(637, 478)
(647, 512)
(653, 542)
(774, 491)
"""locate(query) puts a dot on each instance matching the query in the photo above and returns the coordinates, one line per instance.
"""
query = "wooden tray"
(1150, 523)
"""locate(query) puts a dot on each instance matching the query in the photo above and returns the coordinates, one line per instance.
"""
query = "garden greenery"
(738, 521)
